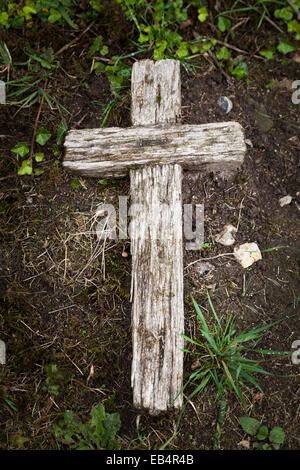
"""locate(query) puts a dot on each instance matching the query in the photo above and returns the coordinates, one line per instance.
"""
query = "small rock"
(204, 267)
(225, 104)
(284, 201)
(249, 143)
(2, 352)
(247, 254)
(225, 237)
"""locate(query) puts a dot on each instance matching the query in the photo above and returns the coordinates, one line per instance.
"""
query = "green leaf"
(67, 18)
(239, 70)
(98, 67)
(262, 433)
(277, 435)
(28, 11)
(270, 84)
(249, 425)
(194, 48)
(223, 53)
(95, 46)
(54, 16)
(266, 446)
(42, 136)
(294, 27)
(38, 156)
(104, 50)
(75, 183)
(223, 24)
(202, 14)
(61, 132)
(21, 149)
(285, 14)
(38, 172)
(182, 51)
(267, 53)
(257, 445)
(285, 47)
(143, 38)
(159, 51)
(205, 46)
(25, 169)
(4, 19)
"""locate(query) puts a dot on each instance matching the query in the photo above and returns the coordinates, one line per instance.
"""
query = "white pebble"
(284, 201)
(247, 254)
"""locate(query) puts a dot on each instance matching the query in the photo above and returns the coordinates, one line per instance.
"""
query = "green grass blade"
(200, 387)
(213, 309)
(191, 340)
(200, 315)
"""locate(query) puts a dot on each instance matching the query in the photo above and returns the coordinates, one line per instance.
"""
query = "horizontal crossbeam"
(112, 152)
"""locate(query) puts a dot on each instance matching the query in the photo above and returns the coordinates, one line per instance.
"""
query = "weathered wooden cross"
(155, 150)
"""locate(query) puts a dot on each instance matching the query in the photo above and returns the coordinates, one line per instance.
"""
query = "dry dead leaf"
(245, 444)
(196, 364)
(91, 374)
(258, 397)
(185, 24)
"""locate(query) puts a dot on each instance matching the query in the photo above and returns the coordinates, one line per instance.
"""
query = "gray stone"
(225, 104)
(284, 201)
(225, 237)
(204, 268)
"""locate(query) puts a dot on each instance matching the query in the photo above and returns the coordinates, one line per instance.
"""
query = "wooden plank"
(156, 247)
(114, 151)
(155, 90)
(157, 287)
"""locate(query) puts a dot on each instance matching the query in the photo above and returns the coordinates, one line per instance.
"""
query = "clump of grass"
(221, 355)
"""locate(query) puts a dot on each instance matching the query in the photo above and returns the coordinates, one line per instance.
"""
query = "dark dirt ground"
(56, 305)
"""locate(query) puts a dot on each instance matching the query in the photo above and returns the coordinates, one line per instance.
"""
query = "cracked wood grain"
(156, 242)
(114, 151)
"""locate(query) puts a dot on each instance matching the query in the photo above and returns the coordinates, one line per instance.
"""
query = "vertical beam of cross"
(156, 247)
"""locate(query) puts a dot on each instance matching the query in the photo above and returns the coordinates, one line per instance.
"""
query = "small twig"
(236, 26)
(36, 123)
(81, 120)
(34, 332)
(193, 406)
(66, 252)
(266, 18)
(240, 212)
(68, 357)
(216, 62)
(206, 259)
(236, 49)
(6, 177)
(99, 390)
(66, 46)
